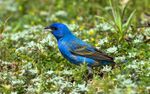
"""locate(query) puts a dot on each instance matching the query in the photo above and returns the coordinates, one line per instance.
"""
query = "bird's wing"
(88, 51)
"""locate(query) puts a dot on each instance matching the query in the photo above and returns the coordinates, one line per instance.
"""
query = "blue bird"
(77, 51)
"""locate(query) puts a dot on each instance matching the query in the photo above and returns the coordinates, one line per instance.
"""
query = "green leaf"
(126, 26)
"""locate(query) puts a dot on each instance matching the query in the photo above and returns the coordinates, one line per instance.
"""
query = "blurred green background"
(44, 12)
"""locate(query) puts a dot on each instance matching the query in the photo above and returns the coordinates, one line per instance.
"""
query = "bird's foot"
(90, 73)
(101, 74)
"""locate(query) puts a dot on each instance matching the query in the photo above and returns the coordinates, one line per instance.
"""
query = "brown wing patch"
(97, 55)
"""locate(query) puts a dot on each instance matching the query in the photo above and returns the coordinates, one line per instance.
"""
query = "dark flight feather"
(90, 52)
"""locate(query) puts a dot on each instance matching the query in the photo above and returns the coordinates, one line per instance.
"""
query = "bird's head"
(59, 30)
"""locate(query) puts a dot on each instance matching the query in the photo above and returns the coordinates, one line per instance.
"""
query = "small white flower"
(40, 47)
(37, 79)
(31, 89)
(140, 37)
(137, 41)
(112, 49)
(106, 69)
(103, 26)
(67, 72)
(11, 6)
(117, 90)
(72, 27)
(50, 72)
(17, 81)
(51, 43)
(120, 77)
(133, 66)
(82, 87)
(5, 62)
(130, 35)
(57, 78)
(59, 82)
(48, 38)
(128, 83)
(61, 13)
(132, 54)
(31, 44)
(44, 13)
(26, 26)
(102, 41)
(33, 71)
(141, 62)
(147, 31)
(27, 65)
(21, 49)
(120, 58)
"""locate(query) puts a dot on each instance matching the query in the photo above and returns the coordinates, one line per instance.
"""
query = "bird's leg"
(90, 73)
(90, 70)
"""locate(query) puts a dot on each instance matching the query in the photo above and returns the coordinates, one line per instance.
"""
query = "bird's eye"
(54, 28)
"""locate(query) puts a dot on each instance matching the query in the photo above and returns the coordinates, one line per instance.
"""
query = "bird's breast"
(63, 48)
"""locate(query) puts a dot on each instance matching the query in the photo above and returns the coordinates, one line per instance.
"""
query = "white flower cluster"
(132, 54)
(28, 33)
(61, 13)
(102, 41)
(112, 49)
(9, 5)
(147, 31)
(72, 27)
(120, 58)
(138, 39)
(103, 26)
(106, 69)
(125, 82)
(137, 64)
(80, 88)
(57, 14)
(48, 40)
(67, 72)
(35, 83)
(30, 38)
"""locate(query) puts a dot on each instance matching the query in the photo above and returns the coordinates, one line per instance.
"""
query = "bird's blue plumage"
(75, 50)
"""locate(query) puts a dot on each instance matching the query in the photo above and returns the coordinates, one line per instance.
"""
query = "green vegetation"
(31, 63)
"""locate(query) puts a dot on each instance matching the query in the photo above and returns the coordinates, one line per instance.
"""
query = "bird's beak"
(48, 28)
